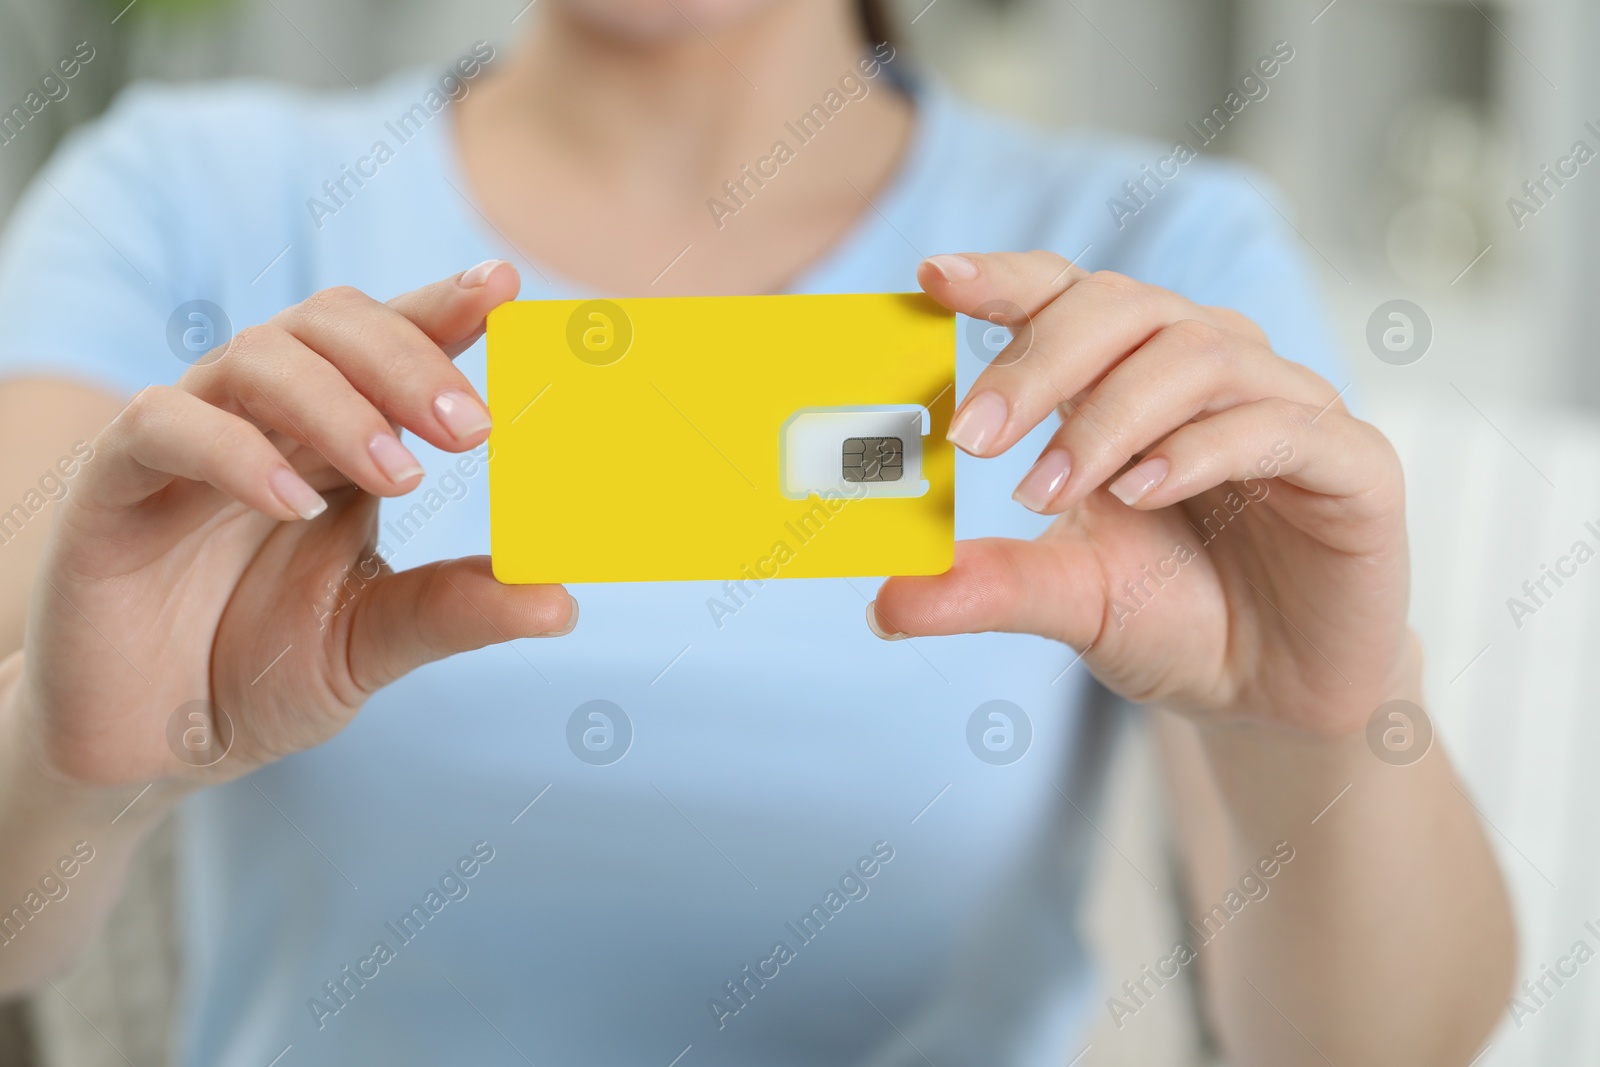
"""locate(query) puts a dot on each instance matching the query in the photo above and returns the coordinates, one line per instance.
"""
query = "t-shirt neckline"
(876, 223)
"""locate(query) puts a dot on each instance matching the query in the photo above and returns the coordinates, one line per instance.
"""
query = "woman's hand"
(1231, 542)
(220, 545)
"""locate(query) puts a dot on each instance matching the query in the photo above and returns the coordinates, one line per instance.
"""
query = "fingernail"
(877, 628)
(478, 275)
(1041, 484)
(393, 458)
(296, 495)
(462, 415)
(1135, 485)
(979, 422)
(954, 268)
(572, 622)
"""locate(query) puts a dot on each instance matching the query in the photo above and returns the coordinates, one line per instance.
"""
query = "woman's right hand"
(196, 560)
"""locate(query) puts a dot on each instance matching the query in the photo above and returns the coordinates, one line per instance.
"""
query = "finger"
(1187, 370)
(1075, 340)
(452, 312)
(1024, 281)
(1325, 453)
(389, 354)
(166, 433)
(997, 584)
(439, 609)
(1065, 346)
(274, 378)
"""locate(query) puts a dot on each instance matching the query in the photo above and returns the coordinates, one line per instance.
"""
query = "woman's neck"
(635, 137)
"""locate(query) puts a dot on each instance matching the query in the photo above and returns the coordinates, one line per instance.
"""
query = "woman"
(443, 878)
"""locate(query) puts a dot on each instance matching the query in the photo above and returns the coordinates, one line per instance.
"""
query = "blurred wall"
(1397, 136)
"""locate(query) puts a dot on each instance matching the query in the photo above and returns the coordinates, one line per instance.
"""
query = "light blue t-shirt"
(789, 780)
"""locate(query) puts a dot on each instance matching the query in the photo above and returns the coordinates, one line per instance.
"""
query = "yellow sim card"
(687, 438)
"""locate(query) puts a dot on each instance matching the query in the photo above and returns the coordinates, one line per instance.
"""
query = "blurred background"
(1397, 143)
(1396, 135)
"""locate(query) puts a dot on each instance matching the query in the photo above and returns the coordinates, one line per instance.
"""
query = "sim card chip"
(873, 459)
(857, 452)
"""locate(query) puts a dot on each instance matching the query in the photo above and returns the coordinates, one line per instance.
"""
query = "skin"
(1267, 653)
(216, 510)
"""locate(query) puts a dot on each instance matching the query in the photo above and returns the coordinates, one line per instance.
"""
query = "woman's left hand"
(1230, 541)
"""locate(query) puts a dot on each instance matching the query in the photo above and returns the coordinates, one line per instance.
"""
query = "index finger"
(451, 323)
(398, 354)
(1071, 327)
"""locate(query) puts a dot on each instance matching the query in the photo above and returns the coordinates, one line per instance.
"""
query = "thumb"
(427, 613)
(1035, 587)
(452, 312)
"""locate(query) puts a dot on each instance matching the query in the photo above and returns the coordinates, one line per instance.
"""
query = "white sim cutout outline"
(911, 484)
